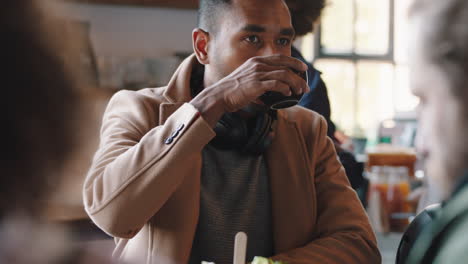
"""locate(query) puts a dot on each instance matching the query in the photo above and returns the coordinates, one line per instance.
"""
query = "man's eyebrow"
(287, 32)
(259, 29)
(254, 28)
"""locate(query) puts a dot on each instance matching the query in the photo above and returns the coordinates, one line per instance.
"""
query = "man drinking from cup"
(181, 169)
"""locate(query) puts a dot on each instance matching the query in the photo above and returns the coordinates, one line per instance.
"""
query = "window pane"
(401, 30)
(307, 46)
(337, 27)
(381, 90)
(339, 78)
(372, 26)
(374, 95)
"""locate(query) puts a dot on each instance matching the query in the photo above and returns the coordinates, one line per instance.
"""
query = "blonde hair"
(446, 39)
(444, 44)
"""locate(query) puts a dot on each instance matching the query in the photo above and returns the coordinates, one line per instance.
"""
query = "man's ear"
(200, 40)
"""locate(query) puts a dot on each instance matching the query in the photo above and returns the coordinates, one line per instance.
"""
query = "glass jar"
(388, 207)
(397, 198)
(377, 199)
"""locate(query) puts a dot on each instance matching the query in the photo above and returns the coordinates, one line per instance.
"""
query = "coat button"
(174, 134)
(169, 140)
(180, 127)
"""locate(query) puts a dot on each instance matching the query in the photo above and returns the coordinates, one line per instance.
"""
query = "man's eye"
(253, 39)
(284, 41)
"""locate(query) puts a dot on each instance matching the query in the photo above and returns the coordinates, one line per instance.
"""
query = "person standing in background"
(304, 15)
(439, 77)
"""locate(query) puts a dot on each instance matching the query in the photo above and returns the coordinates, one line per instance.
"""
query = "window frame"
(389, 56)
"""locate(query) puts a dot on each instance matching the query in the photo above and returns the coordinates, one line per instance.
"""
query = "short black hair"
(208, 13)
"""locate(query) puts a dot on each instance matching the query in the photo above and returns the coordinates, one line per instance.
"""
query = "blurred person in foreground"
(39, 106)
(439, 77)
(304, 15)
(181, 169)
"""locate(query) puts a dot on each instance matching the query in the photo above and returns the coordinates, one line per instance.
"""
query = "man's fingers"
(294, 81)
(281, 60)
(277, 86)
(259, 75)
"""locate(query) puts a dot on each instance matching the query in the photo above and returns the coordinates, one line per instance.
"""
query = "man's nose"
(270, 49)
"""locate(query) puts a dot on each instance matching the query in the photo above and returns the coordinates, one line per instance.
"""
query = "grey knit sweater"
(235, 196)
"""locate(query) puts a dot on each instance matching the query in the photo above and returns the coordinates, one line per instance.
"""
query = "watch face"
(277, 100)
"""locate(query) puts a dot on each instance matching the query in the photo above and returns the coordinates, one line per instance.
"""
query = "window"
(360, 48)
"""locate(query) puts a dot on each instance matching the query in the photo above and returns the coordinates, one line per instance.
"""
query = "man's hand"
(244, 85)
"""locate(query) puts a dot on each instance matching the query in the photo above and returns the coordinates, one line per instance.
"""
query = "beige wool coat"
(143, 187)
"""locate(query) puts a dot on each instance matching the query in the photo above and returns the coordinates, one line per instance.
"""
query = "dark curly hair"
(304, 13)
(38, 105)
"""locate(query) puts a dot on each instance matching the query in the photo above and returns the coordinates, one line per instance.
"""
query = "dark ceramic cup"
(277, 100)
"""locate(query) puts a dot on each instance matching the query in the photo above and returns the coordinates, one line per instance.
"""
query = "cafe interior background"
(359, 46)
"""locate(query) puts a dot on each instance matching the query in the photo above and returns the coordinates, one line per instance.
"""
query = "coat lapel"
(290, 180)
(178, 89)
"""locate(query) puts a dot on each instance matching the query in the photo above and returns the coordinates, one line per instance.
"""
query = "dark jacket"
(317, 99)
(446, 239)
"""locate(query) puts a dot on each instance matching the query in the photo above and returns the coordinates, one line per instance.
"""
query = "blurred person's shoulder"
(445, 240)
(453, 247)
(450, 242)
